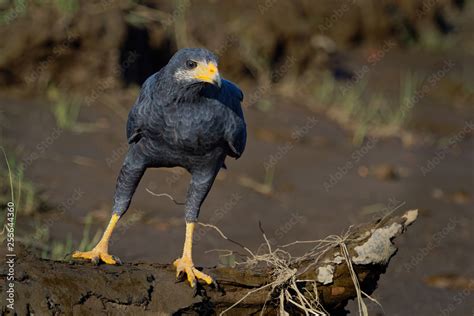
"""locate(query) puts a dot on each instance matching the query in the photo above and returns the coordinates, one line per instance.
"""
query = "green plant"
(67, 6)
(433, 40)
(15, 187)
(264, 105)
(353, 107)
(14, 10)
(65, 109)
(59, 249)
(409, 83)
(326, 89)
(266, 187)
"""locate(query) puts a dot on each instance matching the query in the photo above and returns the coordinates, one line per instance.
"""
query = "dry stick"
(245, 296)
(227, 238)
(265, 237)
(390, 213)
(227, 253)
(360, 302)
(282, 303)
(166, 195)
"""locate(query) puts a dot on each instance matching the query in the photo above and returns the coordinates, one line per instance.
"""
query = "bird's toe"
(202, 276)
(109, 259)
(96, 256)
(87, 255)
(185, 266)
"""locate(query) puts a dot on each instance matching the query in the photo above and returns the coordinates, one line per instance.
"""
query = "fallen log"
(44, 287)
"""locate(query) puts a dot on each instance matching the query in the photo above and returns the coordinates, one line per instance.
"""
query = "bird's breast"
(195, 128)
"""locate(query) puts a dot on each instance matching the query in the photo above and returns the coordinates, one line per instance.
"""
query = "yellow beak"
(208, 73)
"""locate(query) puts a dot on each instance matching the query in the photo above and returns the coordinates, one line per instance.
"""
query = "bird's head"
(191, 66)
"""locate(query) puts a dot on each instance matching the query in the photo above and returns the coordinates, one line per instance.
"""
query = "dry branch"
(60, 288)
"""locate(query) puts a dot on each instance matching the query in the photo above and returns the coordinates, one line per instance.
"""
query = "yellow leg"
(185, 263)
(101, 250)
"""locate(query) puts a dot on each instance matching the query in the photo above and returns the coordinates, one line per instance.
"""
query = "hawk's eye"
(190, 64)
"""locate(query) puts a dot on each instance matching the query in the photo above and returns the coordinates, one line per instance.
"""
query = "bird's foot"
(185, 265)
(96, 255)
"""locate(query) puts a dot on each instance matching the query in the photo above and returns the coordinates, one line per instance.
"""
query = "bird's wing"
(136, 117)
(231, 96)
(236, 132)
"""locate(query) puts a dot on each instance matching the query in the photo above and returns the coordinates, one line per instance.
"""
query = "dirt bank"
(51, 288)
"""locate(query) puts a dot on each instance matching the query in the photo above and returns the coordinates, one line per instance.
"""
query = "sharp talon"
(180, 277)
(117, 260)
(220, 289)
(96, 256)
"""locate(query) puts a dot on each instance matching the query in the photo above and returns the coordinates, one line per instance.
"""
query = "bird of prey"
(186, 116)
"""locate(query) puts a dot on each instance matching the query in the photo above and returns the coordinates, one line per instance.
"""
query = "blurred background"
(355, 109)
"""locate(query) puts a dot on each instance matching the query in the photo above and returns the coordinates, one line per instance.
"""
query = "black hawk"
(186, 116)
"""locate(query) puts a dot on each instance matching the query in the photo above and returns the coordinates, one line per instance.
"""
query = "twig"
(265, 236)
(227, 238)
(166, 195)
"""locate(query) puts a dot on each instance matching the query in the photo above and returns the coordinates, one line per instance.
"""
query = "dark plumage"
(188, 116)
(190, 124)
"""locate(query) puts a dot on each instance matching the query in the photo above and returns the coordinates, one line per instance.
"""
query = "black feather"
(194, 125)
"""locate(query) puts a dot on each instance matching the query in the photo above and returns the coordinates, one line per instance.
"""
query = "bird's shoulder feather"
(143, 103)
(231, 96)
(236, 133)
